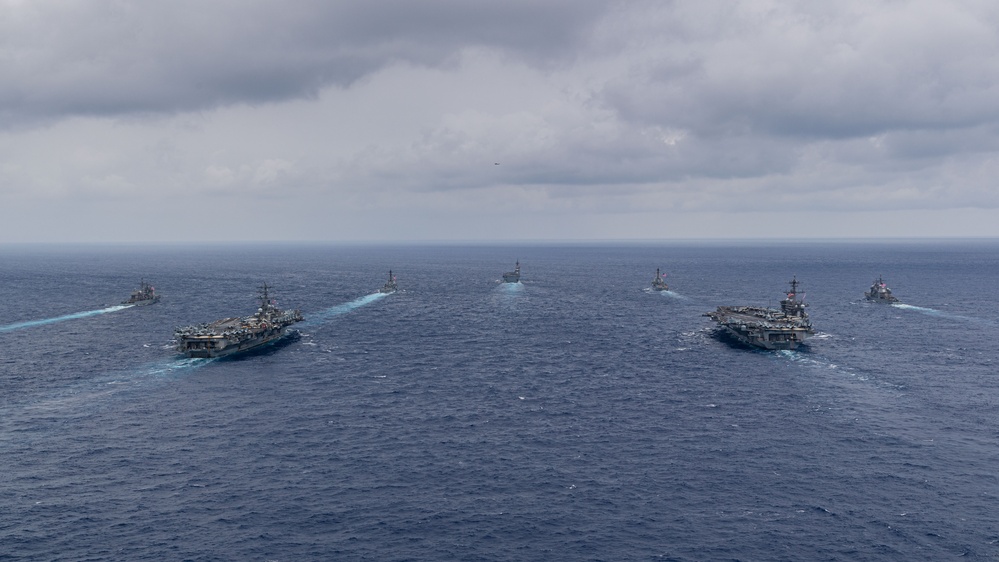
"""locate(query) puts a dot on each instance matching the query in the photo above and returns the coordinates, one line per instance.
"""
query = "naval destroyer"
(145, 294)
(389, 286)
(659, 283)
(768, 328)
(512, 276)
(880, 292)
(233, 335)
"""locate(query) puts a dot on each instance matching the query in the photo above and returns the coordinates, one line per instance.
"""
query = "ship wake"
(74, 316)
(819, 362)
(934, 312)
(842, 373)
(177, 366)
(924, 310)
(327, 314)
(82, 396)
(674, 295)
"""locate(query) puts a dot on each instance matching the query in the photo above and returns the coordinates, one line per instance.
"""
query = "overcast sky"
(402, 120)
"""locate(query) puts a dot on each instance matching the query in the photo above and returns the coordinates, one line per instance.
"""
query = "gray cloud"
(111, 58)
(622, 112)
(812, 70)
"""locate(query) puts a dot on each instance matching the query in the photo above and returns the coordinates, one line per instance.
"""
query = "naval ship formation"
(767, 328)
(785, 328)
(233, 335)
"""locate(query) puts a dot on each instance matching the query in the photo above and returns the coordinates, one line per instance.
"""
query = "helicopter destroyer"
(233, 335)
(880, 292)
(389, 286)
(145, 294)
(768, 328)
(512, 276)
(659, 283)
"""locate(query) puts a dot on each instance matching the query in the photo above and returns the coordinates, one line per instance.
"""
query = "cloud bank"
(450, 119)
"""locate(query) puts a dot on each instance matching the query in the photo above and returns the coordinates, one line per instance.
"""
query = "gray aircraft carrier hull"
(761, 327)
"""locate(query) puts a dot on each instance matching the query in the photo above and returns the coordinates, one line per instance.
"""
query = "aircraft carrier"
(767, 328)
(234, 335)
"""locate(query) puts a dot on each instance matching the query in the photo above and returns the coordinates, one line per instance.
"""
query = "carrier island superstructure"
(767, 328)
(512, 276)
(234, 335)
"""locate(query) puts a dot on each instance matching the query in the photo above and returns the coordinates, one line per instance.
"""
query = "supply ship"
(234, 335)
(145, 294)
(389, 286)
(880, 292)
(767, 328)
(512, 276)
(659, 283)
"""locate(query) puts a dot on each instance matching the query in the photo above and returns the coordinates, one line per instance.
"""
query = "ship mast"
(794, 287)
(265, 300)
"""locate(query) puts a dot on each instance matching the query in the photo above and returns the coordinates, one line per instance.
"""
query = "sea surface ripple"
(574, 416)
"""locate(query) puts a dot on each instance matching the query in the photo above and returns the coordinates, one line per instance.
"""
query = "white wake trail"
(74, 316)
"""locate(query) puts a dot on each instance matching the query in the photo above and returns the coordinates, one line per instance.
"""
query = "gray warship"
(768, 328)
(389, 286)
(880, 292)
(234, 335)
(145, 294)
(512, 276)
(659, 283)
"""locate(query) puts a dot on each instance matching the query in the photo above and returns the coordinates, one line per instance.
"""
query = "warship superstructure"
(389, 286)
(880, 292)
(233, 335)
(767, 328)
(659, 283)
(512, 276)
(145, 294)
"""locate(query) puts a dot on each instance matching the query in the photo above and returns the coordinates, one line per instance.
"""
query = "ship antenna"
(264, 297)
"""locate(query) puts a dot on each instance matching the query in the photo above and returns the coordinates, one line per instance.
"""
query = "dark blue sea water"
(576, 416)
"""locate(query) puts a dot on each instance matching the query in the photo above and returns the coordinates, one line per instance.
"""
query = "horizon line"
(526, 241)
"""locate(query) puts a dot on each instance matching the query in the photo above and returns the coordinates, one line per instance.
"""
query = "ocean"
(574, 416)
